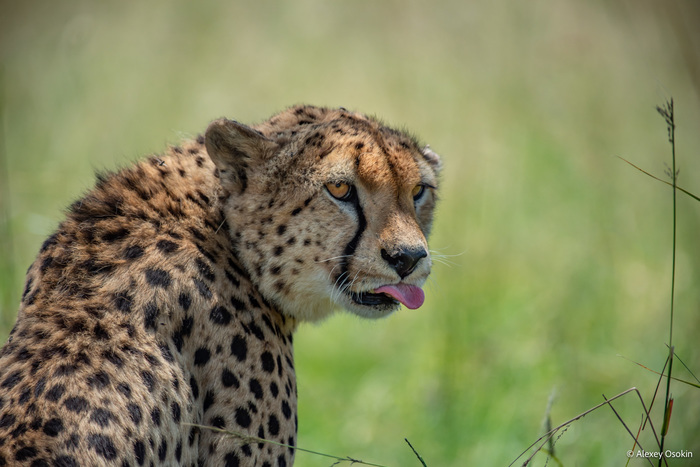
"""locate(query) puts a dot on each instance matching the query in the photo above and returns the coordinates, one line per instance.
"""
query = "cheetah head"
(328, 209)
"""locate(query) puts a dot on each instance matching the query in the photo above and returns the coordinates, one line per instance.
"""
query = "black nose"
(404, 261)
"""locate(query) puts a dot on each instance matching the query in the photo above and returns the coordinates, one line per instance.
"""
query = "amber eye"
(417, 192)
(339, 190)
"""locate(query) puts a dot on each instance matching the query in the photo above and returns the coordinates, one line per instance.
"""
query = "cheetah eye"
(340, 190)
(418, 192)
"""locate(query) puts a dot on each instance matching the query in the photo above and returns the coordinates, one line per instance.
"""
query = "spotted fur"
(169, 295)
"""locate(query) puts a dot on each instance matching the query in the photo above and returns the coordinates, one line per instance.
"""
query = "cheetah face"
(330, 213)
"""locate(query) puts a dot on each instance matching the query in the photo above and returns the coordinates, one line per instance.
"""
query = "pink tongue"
(411, 296)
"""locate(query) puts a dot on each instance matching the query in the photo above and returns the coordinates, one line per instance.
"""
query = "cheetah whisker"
(334, 257)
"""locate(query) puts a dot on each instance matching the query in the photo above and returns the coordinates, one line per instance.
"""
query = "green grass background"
(559, 253)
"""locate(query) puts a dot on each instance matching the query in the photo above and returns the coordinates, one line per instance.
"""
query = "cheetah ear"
(234, 148)
(432, 158)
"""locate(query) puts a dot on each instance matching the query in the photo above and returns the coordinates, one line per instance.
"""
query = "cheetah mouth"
(391, 295)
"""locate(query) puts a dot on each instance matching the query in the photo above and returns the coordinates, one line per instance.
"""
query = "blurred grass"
(559, 252)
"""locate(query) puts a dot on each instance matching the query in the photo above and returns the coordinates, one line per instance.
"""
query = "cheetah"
(166, 301)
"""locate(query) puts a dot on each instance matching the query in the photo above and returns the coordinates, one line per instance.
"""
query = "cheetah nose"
(405, 260)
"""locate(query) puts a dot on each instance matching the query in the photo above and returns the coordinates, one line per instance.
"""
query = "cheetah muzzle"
(168, 297)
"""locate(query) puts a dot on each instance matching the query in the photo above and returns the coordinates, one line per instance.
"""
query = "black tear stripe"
(352, 245)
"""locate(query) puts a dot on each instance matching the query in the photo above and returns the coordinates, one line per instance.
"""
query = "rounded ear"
(234, 148)
(432, 158)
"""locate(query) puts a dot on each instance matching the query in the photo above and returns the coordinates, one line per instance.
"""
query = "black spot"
(268, 362)
(7, 420)
(242, 417)
(155, 416)
(229, 379)
(36, 424)
(218, 422)
(12, 380)
(197, 234)
(65, 461)
(296, 211)
(101, 417)
(176, 411)
(39, 388)
(286, 410)
(281, 229)
(166, 353)
(274, 389)
(275, 270)
(162, 450)
(203, 197)
(93, 267)
(140, 452)
(194, 387)
(135, 413)
(178, 451)
(257, 332)
(151, 359)
(53, 427)
(122, 300)
(39, 463)
(232, 279)
(102, 445)
(256, 388)
(115, 235)
(166, 246)
(133, 252)
(220, 315)
(23, 354)
(278, 250)
(99, 380)
(73, 441)
(209, 255)
(100, 332)
(208, 400)
(27, 287)
(204, 270)
(185, 330)
(201, 356)
(46, 263)
(52, 240)
(55, 393)
(150, 315)
(19, 430)
(231, 460)
(185, 301)
(237, 304)
(239, 348)
(273, 425)
(124, 389)
(25, 453)
(76, 404)
(158, 277)
(149, 380)
(281, 461)
(202, 288)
